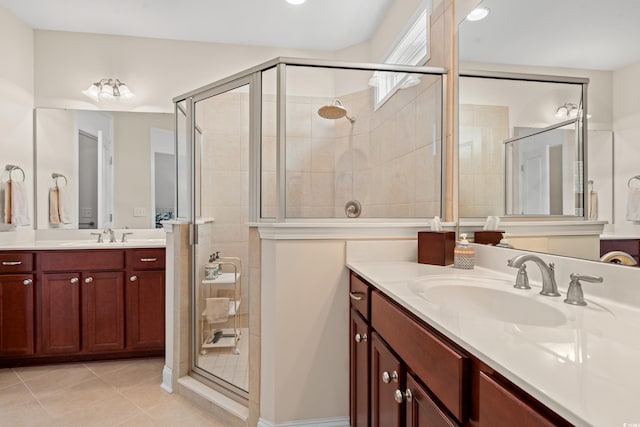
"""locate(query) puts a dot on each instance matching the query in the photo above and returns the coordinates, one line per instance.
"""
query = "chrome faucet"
(112, 235)
(549, 286)
(575, 296)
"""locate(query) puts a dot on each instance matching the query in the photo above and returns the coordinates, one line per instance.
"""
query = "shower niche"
(296, 140)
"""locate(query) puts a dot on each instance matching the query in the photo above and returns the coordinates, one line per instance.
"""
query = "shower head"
(334, 111)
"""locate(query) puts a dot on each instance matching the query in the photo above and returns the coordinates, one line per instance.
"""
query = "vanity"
(433, 345)
(75, 301)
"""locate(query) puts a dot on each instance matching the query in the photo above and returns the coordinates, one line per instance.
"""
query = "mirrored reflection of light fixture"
(107, 90)
(478, 13)
(568, 110)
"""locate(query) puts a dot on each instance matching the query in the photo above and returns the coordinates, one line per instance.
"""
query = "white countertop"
(587, 370)
(81, 244)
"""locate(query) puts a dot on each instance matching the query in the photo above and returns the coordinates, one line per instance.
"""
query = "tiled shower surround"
(389, 159)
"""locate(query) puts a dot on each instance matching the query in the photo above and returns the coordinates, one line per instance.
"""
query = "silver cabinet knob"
(400, 397)
(361, 338)
(88, 280)
(133, 278)
(74, 280)
(27, 282)
(387, 378)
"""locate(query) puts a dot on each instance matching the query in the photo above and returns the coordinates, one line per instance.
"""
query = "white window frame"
(412, 48)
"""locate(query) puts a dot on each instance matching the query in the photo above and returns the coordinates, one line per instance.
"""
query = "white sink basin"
(489, 298)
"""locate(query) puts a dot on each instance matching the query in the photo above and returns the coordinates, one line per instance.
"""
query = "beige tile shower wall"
(310, 169)
(483, 128)
(224, 121)
(389, 159)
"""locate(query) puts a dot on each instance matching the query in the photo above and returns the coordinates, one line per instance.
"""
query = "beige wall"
(16, 99)
(57, 133)
(305, 352)
(132, 166)
(155, 70)
(626, 128)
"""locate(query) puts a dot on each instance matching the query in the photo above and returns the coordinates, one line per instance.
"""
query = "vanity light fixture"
(108, 90)
(478, 13)
(296, 1)
(568, 110)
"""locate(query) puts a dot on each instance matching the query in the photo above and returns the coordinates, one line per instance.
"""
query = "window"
(411, 49)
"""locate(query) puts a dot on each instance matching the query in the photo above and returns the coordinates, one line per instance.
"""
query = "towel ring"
(11, 168)
(56, 175)
(631, 179)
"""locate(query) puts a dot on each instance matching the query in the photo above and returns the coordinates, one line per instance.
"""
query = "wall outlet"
(139, 212)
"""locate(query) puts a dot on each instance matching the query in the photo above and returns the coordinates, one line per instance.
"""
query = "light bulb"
(477, 14)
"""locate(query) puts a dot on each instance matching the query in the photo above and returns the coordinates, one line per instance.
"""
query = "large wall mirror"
(99, 169)
(575, 39)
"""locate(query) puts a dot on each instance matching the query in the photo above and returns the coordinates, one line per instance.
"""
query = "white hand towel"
(633, 204)
(217, 310)
(6, 207)
(63, 205)
(19, 204)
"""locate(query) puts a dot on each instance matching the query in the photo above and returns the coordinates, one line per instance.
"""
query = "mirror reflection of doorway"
(88, 180)
(95, 181)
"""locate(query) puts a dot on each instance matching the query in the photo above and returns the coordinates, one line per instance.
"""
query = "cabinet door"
(145, 309)
(500, 407)
(387, 377)
(59, 305)
(103, 311)
(16, 314)
(421, 410)
(359, 352)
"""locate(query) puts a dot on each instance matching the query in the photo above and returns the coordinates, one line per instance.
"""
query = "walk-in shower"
(257, 147)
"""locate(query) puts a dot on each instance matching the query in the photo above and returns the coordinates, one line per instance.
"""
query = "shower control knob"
(361, 338)
(387, 378)
(133, 278)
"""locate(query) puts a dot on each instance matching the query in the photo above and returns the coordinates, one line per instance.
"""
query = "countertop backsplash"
(621, 284)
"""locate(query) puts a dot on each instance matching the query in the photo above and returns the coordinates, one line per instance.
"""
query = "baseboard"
(323, 422)
(167, 379)
(230, 412)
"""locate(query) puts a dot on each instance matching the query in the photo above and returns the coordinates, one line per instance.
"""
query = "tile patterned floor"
(225, 364)
(112, 393)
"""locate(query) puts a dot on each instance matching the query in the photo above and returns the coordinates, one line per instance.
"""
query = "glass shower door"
(221, 247)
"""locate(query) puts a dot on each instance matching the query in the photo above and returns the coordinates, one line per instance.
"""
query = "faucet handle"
(99, 237)
(124, 236)
(575, 296)
(522, 279)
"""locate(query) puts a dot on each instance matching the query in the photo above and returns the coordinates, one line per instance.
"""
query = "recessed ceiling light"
(296, 1)
(477, 14)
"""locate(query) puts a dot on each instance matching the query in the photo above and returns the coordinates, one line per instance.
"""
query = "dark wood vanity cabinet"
(145, 295)
(418, 377)
(16, 304)
(80, 305)
(360, 353)
(81, 301)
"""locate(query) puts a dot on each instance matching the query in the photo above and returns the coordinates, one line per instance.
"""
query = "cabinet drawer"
(499, 407)
(360, 295)
(145, 259)
(440, 367)
(98, 259)
(16, 262)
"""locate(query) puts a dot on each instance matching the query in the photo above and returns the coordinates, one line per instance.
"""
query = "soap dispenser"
(212, 268)
(463, 254)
